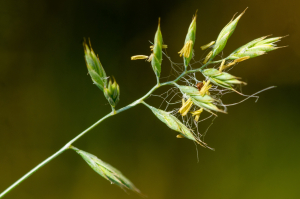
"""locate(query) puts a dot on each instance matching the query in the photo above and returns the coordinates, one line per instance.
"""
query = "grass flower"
(222, 79)
(187, 50)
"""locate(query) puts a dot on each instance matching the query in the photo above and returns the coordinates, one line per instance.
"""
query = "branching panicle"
(198, 97)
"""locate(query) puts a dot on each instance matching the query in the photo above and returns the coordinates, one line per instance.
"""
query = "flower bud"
(106, 171)
(222, 79)
(94, 67)
(112, 93)
(224, 35)
(187, 50)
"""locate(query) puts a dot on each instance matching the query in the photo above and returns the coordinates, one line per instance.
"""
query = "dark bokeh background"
(47, 98)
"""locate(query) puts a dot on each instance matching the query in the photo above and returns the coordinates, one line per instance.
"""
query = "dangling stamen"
(207, 45)
(242, 59)
(186, 106)
(205, 89)
(163, 46)
(136, 57)
(222, 65)
(150, 58)
(228, 65)
(197, 114)
(186, 50)
(207, 57)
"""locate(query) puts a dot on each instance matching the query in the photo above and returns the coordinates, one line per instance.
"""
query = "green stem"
(114, 112)
(33, 170)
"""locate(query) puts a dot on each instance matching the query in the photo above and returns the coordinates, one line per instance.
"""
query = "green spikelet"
(256, 47)
(224, 36)
(112, 93)
(94, 67)
(106, 171)
(157, 52)
(187, 50)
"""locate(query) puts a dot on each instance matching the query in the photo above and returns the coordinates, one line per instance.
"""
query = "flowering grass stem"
(114, 112)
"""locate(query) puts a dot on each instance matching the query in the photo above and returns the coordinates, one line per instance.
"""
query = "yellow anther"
(150, 57)
(197, 114)
(234, 62)
(139, 57)
(180, 136)
(242, 59)
(207, 57)
(163, 46)
(207, 45)
(222, 65)
(228, 65)
(205, 89)
(186, 106)
(186, 50)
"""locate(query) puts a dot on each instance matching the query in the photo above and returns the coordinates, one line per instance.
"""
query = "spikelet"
(187, 50)
(106, 171)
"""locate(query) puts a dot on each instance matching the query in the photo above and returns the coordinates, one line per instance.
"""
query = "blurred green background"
(47, 98)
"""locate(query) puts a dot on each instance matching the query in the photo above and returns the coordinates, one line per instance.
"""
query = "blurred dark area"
(47, 98)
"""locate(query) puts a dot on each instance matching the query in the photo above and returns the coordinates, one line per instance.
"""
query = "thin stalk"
(114, 112)
(32, 171)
